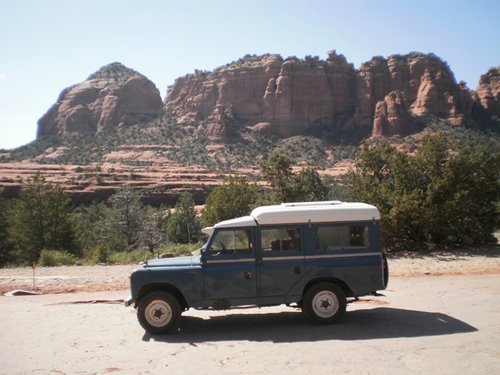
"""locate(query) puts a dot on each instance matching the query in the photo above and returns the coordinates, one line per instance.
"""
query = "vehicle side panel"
(188, 281)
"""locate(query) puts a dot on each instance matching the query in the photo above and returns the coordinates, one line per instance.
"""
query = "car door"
(229, 265)
(281, 261)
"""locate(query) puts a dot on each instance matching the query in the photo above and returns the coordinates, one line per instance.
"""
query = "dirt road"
(425, 324)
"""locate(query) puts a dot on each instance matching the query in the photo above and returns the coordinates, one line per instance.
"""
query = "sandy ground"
(439, 314)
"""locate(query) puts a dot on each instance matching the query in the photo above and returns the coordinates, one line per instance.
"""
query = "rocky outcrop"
(391, 116)
(265, 93)
(426, 83)
(273, 96)
(115, 96)
(283, 97)
(488, 92)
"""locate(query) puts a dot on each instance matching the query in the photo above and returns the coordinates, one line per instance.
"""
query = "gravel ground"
(423, 324)
(440, 313)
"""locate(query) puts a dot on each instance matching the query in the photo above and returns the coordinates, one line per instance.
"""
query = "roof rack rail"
(301, 204)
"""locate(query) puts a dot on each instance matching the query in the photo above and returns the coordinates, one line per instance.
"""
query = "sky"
(48, 45)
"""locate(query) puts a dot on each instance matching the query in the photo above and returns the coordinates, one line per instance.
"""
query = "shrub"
(235, 197)
(128, 257)
(100, 254)
(183, 225)
(53, 258)
(178, 249)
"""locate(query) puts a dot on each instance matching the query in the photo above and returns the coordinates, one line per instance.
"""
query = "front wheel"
(159, 312)
(324, 303)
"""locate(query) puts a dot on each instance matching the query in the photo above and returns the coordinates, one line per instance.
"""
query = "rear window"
(280, 239)
(331, 237)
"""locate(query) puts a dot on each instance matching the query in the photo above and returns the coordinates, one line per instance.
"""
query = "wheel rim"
(158, 313)
(325, 304)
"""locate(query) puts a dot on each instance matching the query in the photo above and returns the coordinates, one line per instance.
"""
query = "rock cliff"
(391, 116)
(283, 97)
(488, 92)
(424, 83)
(267, 93)
(112, 97)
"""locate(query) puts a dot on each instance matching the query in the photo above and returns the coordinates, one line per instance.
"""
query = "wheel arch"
(348, 292)
(164, 287)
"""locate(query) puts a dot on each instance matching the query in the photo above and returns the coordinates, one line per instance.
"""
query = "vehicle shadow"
(291, 326)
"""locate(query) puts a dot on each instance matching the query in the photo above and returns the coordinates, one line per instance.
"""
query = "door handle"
(248, 275)
(297, 270)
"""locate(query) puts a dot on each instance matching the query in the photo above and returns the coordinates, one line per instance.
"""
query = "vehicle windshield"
(199, 251)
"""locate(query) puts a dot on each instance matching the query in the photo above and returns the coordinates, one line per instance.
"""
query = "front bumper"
(128, 301)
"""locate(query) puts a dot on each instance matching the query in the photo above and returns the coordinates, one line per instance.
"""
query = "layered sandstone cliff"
(488, 92)
(112, 97)
(267, 93)
(284, 97)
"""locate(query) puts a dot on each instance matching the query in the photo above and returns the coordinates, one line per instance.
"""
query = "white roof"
(302, 212)
(315, 212)
(245, 221)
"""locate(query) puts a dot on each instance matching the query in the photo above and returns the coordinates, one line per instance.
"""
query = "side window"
(280, 239)
(346, 236)
(231, 242)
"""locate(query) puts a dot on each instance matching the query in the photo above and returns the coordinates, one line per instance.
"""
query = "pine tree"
(42, 219)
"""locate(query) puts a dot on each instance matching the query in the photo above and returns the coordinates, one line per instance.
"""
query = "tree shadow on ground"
(291, 326)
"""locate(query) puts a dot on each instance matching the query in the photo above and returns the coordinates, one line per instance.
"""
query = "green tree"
(233, 198)
(388, 179)
(306, 185)
(277, 170)
(93, 226)
(42, 219)
(117, 226)
(153, 231)
(5, 246)
(446, 194)
(463, 197)
(183, 225)
(338, 187)
(123, 220)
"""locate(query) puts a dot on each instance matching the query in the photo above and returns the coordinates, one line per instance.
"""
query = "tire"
(159, 312)
(324, 303)
(386, 270)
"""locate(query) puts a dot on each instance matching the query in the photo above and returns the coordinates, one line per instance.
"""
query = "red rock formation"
(426, 83)
(391, 116)
(488, 92)
(275, 96)
(112, 97)
(286, 97)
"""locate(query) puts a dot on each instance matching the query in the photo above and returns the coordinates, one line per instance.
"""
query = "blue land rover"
(315, 255)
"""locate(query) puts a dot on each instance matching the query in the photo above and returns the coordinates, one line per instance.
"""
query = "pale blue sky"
(47, 45)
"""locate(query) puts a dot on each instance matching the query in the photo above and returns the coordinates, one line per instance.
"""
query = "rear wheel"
(386, 270)
(324, 303)
(159, 312)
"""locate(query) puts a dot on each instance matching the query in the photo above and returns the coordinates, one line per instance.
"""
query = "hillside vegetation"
(165, 141)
